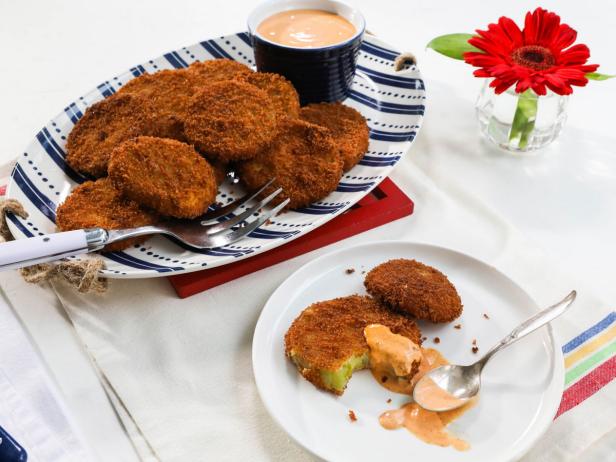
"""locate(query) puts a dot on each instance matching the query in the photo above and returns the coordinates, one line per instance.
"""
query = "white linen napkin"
(179, 371)
(31, 409)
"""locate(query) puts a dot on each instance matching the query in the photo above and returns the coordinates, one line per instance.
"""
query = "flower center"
(533, 56)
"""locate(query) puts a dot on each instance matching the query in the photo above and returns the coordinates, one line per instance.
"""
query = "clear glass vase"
(520, 122)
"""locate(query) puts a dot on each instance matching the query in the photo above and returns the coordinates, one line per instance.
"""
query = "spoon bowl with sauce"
(449, 387)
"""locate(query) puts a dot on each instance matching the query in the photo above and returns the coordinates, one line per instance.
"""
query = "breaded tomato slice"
(326, 341)
(414, 288)
(168, 93)
(103, 126)
(348, 127)
(99, 204)
(280, 90)
(302, 158)
(231, 121)
(165, 175)
(215, 70)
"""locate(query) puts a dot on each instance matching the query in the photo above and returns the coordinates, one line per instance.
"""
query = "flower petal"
(501, 85)
(511, 29)
(481, 59)
(481, 73)
(558, 85)
(548, 28)
(577, 54)
(564, 38)
(538, 86)
(522, 85)
(531, 26)
(488, 46)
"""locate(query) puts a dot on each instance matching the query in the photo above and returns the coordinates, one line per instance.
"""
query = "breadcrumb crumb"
(437, 340)
(352, 416)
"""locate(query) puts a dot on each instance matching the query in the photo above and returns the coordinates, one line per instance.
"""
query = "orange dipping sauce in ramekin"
(306, 28)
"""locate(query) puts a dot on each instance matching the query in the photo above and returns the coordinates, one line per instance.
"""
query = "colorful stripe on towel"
(590, 362)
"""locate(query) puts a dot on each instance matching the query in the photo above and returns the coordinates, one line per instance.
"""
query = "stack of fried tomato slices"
(162, 145)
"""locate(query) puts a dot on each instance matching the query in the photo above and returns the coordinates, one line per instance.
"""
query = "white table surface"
(564, 200)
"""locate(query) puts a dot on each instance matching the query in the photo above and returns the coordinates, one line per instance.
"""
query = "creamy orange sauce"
(428, 426)
(432, 396)
(391, 352)
(392, 358)
(306, 28)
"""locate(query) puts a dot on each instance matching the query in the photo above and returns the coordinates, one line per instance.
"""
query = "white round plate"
(392, 102)
(522, 386)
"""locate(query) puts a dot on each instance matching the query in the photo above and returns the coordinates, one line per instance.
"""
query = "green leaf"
(597, 76)
(524, 119)
(452, 45)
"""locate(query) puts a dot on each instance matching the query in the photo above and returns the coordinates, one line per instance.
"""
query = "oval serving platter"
(392, 102)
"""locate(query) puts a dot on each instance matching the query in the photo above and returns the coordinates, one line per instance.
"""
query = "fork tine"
(220, 239)
(227, 209)
(242, 216)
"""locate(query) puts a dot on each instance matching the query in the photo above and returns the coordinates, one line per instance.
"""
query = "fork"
(215, 228)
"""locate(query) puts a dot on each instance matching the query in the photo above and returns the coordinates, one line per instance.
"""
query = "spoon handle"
(530, 325)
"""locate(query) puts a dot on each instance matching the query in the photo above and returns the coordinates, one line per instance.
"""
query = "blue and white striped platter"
(392, 102)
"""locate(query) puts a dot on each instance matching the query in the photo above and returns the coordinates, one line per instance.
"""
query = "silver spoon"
(449, 387)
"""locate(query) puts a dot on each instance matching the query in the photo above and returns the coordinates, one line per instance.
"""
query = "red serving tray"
(384, 204)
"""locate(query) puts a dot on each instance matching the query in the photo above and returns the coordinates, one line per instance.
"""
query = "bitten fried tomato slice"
(326, 341)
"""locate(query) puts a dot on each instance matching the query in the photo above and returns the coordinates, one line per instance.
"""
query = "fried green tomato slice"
(414, 288)
(103, 126)
(281, 92)
(99, 204)
(204, 73)
(165, 175)
(326, 341)
(231, 121)
(348, 127)
(168, 93)
(304, 161)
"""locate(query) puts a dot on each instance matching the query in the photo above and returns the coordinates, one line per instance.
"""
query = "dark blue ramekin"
(318, 74)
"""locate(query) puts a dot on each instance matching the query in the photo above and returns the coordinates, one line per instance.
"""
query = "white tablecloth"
(562, 200)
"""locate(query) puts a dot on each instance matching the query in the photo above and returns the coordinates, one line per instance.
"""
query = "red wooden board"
(384, 204)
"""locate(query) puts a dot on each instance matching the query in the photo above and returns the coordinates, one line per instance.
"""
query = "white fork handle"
(50, 247)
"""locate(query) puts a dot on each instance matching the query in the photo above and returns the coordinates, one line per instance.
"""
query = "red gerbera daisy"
(537, 57)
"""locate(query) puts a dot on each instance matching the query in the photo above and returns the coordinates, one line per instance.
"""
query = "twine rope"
(403, 60)
(83, 274)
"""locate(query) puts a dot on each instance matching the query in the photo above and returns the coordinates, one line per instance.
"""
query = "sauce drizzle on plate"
(393, 358)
